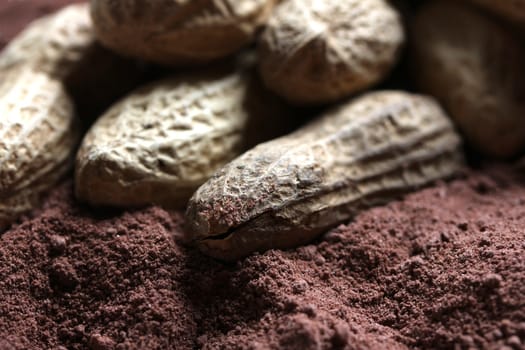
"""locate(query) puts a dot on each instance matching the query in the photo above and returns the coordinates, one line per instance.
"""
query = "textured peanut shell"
(38, 134)
(159, 144)
(513, 10)
(315, 51)
(63, 45)
(178, 32)
(475, 68)
(285, 192)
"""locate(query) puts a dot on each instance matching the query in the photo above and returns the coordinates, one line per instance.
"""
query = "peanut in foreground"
(285, 192)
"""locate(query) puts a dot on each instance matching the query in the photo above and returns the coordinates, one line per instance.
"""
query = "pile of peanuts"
(213, 134)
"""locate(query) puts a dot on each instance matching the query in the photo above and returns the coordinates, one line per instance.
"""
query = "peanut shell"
(285, 192)
(38, 133)
(160, 143)
(474, 66)
(178, 32)
(314, 52)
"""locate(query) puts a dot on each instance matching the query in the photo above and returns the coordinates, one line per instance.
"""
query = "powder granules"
(442, 268)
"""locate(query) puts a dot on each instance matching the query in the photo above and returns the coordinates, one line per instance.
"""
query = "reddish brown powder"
(443, 268)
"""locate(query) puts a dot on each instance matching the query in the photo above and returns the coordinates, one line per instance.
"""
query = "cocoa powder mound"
(443, 268)
(72, 278)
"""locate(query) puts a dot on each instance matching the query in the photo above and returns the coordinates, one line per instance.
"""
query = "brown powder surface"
(444, 268)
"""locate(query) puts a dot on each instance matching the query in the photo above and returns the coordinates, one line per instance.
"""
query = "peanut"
(178, 32)
(37, 136)
(474, 66)
(315, 52)
(285, 192)
(159, 144)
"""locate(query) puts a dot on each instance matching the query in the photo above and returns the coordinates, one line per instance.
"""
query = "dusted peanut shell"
(38, 134)
(160, 143)
(285, 192)
(314, 52)
(475, 68)
(178, 32)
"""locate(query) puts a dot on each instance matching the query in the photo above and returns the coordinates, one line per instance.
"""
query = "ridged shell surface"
(178, 32)
(161, 142)
(285, 192)
(38, 134)
(318, 51)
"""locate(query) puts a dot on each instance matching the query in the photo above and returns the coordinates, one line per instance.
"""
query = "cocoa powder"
(442, 268)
